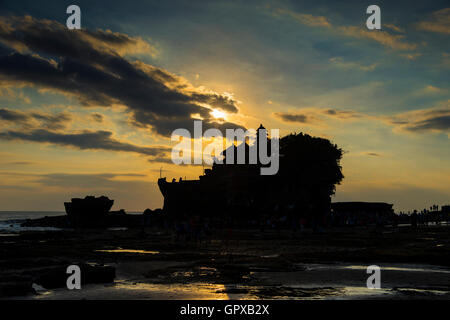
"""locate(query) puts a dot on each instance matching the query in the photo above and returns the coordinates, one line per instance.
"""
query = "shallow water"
(204, 291)
(316, 281)
(10, 221)
(15, 226)
(23, 215)
(122, 289)
(407, 267)
(128, 251)
(390, 267)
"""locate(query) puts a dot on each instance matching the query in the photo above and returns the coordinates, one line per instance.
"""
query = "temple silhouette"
(309, 170)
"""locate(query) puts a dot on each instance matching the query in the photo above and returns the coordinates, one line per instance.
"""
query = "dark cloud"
(217, 101)
(425, 120)
(87, 140)
(97, 117)
(439, 123)
(13, 116)
(35, 119)
(52, 121)
(372, 154)
(342, 114)
(167, 125)
(21, 163)
(90, 66)
(118, 40)
(291, 117)
(167, 160)
(315, 115)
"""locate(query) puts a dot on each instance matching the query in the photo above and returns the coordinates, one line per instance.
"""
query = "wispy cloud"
(411, 56)
(394, 27)
(432, 89)
(24, 33)
(340, 63)
(393, 41)
(85, 140)
(10, 93)
(20, 163)
(439, 22)
(35, 119)
(304, 18)
(425, 120)
(97, 117)
(371, 154)
(317, 116)
(435, 119)
(446, 60)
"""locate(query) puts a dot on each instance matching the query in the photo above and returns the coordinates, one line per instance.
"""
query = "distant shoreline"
(9, 215)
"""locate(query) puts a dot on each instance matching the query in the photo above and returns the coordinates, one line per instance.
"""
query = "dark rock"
(88, 212)
(54, 222)
(15, 285)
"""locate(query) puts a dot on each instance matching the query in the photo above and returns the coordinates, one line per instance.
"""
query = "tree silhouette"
(312, 161)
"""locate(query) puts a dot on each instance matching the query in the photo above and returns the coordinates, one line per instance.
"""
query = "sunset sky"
(91, 111)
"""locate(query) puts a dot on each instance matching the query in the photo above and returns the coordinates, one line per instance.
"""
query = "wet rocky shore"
(147, 263)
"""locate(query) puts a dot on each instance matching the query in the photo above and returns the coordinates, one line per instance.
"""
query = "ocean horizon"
(23, 215)
(11, 221)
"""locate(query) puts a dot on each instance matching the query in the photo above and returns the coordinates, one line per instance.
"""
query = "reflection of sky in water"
(392, 267)
(362, 292)
(138, 290)
(426, 291)
(196, 291)
(128, 251)
(344, 288)
(205, 291)
(13, 226)
(413, 268)
(200, 291)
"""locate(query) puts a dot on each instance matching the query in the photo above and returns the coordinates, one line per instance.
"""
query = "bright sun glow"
(218, 114)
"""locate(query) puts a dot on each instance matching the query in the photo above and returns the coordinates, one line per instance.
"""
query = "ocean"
(23, 215)
(10, 221)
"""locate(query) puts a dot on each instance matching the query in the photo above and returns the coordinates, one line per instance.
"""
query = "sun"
(218, 114)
